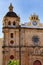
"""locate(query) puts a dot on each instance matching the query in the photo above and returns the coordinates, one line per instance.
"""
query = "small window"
(14, 23)
(34, 17)
(9, 23)
(35, 40)
(11, 57)
(11, 35)
(11, 41)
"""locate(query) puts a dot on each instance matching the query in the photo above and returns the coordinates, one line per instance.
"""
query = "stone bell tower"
(11, 35)
(34, 19)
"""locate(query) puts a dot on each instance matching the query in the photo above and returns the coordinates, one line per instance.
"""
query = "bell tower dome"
(10, 8)
(11, 18)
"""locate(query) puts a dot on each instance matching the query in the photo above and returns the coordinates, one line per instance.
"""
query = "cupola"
(34, 17)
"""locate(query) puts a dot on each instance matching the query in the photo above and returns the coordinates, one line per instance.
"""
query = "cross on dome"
(10, 8)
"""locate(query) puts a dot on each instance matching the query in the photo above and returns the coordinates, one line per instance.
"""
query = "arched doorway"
(37, 62)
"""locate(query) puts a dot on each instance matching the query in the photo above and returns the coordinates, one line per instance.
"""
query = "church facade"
(23, 42)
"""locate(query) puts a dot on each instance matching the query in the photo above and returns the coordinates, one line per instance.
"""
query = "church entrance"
(37, 62)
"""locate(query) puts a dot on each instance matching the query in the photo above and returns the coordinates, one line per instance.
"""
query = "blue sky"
(24, 8)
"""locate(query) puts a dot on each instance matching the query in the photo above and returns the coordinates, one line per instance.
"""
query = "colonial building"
(23, 42)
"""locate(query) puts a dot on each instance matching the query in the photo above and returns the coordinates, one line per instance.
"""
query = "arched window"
(14, 23)
(11, 35)
(34, 17)
(9, 23)
(11, 41)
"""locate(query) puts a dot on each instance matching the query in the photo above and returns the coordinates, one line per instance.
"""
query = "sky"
(23, 8)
